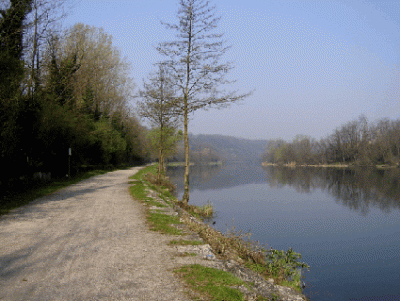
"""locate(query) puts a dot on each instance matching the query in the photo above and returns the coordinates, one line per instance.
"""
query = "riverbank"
(228, 253)
(176, 164)
(334, 165)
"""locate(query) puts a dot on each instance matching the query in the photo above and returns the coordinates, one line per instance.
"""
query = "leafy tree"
(109, 139)
(157, 104)
(194, 60)
(164, 140)
(11, 75)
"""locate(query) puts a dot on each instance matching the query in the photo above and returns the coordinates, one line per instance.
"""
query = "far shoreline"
(213, 163)
(335, 165)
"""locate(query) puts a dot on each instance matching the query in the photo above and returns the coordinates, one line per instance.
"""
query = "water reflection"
(217, 177)
(352, 253)
(358, 189)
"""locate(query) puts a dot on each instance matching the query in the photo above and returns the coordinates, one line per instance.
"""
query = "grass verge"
(211, 283)
(162, 223)
(143, 181)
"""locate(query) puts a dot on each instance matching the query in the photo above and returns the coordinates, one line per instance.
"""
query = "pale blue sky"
(315, 65)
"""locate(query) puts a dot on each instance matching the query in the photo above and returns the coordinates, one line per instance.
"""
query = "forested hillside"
(61, 89)
(225, 148)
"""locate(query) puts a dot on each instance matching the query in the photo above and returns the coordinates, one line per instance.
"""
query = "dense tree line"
(356, 142)
(71, 92)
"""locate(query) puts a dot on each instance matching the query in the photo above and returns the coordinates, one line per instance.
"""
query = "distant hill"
(229, 148)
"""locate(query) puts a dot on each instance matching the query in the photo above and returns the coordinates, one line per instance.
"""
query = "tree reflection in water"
(358, 189)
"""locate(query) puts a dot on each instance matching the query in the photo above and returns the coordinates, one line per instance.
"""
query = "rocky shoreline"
(259, 285)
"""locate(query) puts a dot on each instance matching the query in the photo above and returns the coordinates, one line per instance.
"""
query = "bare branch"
(194, 60)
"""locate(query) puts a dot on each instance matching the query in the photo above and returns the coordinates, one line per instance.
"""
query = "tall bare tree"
(195, 60)
(41, 23)
(157, 104)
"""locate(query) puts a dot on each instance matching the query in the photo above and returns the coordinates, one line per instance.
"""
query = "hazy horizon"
(315, 65)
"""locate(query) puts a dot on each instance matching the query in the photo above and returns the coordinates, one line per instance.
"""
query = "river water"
(345, 223)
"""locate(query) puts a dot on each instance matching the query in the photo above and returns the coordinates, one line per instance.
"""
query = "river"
(344, 222)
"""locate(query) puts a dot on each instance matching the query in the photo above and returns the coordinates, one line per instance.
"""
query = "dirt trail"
(88, 241)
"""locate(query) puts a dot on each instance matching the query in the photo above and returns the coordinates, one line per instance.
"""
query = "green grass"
(138, 191)
(157, 220)
(148, 169)
(211, 283)
(27, 195)
(186, 242)
(162, 223)
(256, 267)
(155, 203)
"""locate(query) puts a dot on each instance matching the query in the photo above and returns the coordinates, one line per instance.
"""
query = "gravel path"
(88, 241)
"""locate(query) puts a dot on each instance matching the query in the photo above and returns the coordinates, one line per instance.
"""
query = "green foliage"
(212, 283)
(279, 261)
(70, 106)
(60, 80)
(11, 73)
(11, 27)
(166, 139)
(109, 139)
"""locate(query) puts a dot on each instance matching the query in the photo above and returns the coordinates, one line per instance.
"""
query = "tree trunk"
(31, 84)
(160, 165)
(160, 155)
(185, 198)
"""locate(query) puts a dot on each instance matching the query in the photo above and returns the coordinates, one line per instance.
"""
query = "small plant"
(207, 210)
(279, 261)
(199, 212)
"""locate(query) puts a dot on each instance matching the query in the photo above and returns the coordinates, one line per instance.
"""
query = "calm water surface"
(345, 223)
